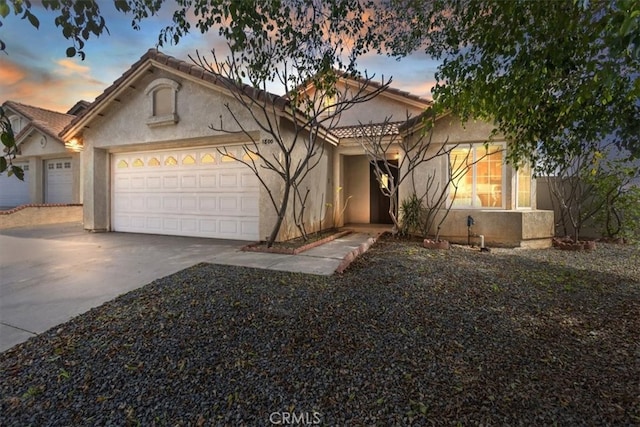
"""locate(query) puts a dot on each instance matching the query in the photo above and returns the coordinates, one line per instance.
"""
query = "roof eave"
(96, 109)
(393, 94)
(10, 105)
(34, 126)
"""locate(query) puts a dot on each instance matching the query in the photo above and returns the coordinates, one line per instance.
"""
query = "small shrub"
(411, 210)
(619, 215)
(629, 207)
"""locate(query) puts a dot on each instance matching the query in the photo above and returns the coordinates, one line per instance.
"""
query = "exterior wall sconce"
(75, 144)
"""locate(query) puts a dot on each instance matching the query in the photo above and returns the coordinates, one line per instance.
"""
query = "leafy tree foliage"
(624, 27)
(557, 77)
(10, 148)
(336, 31)
(77, 19)
(595, 190)
(611, 181)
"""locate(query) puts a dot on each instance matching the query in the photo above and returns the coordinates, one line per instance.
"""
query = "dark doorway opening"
(379, 203)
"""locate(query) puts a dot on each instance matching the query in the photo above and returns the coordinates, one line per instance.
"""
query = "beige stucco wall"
(36, 179)
(316, 188)
(428, 177)
(38, 147)
(96, 187)
(520, 228)
(32, 145)
(125, 121)
(450, 129)
(505, 226)
(318, 182)
(546, 200)
(384, 106)
(377, 110)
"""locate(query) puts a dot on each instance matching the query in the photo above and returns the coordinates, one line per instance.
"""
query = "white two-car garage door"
(193, 192)
(14, 192)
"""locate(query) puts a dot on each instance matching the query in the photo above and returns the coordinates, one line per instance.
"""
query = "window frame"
(517, 187)
(473, 169)
(330, 104)
(150, 91)
(16, 124)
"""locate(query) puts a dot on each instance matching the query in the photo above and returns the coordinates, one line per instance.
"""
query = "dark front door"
(379, 209)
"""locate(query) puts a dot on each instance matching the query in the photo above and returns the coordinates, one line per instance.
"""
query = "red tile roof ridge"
(20, 105)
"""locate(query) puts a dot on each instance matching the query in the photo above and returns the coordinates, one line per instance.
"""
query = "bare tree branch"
(295, 125)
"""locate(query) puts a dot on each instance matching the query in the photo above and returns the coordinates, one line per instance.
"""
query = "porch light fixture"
(75, 145)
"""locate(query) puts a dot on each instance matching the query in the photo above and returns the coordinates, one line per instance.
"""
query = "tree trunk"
(281, 214)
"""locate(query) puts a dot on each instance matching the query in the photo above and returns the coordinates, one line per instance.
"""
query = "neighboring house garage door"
(14, 192)
(194, 192)
(58, 181)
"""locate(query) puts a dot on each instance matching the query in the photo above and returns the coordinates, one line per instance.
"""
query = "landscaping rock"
(404, 337)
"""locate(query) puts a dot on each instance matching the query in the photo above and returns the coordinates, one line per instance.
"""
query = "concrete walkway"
(49, 274)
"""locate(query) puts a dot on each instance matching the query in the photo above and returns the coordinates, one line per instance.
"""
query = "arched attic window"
(16, 124)
(162, 95)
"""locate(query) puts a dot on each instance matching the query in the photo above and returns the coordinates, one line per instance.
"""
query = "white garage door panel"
(186, 193)
(154, 203)
(14, 192)
(138, 182)
(189, 181)
(207, 180)
(189, 204)
(228, 181)
(122, 182)
(153, 183)
(59, 181)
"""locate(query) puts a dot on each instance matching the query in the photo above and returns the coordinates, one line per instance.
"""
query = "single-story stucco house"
(51, 170)
(150, 163)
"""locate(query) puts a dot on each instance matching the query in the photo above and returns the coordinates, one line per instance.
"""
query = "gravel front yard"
(404, 336)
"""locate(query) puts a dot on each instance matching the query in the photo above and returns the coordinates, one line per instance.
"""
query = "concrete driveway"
(49, 274)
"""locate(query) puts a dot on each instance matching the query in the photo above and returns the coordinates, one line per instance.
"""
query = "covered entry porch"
(359, 199)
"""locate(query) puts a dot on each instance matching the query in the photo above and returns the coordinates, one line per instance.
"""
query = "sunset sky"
(35, 70)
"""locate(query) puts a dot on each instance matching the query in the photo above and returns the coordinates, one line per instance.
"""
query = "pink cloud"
(57, 90)
(70, 66)
(10, 73)
(422, 89)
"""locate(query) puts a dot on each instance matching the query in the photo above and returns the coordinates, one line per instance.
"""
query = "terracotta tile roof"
(196, 71)
(47, 121)
(402, 93)
(376, 129)
(392, 128)
(179, 65)
(374, 85)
